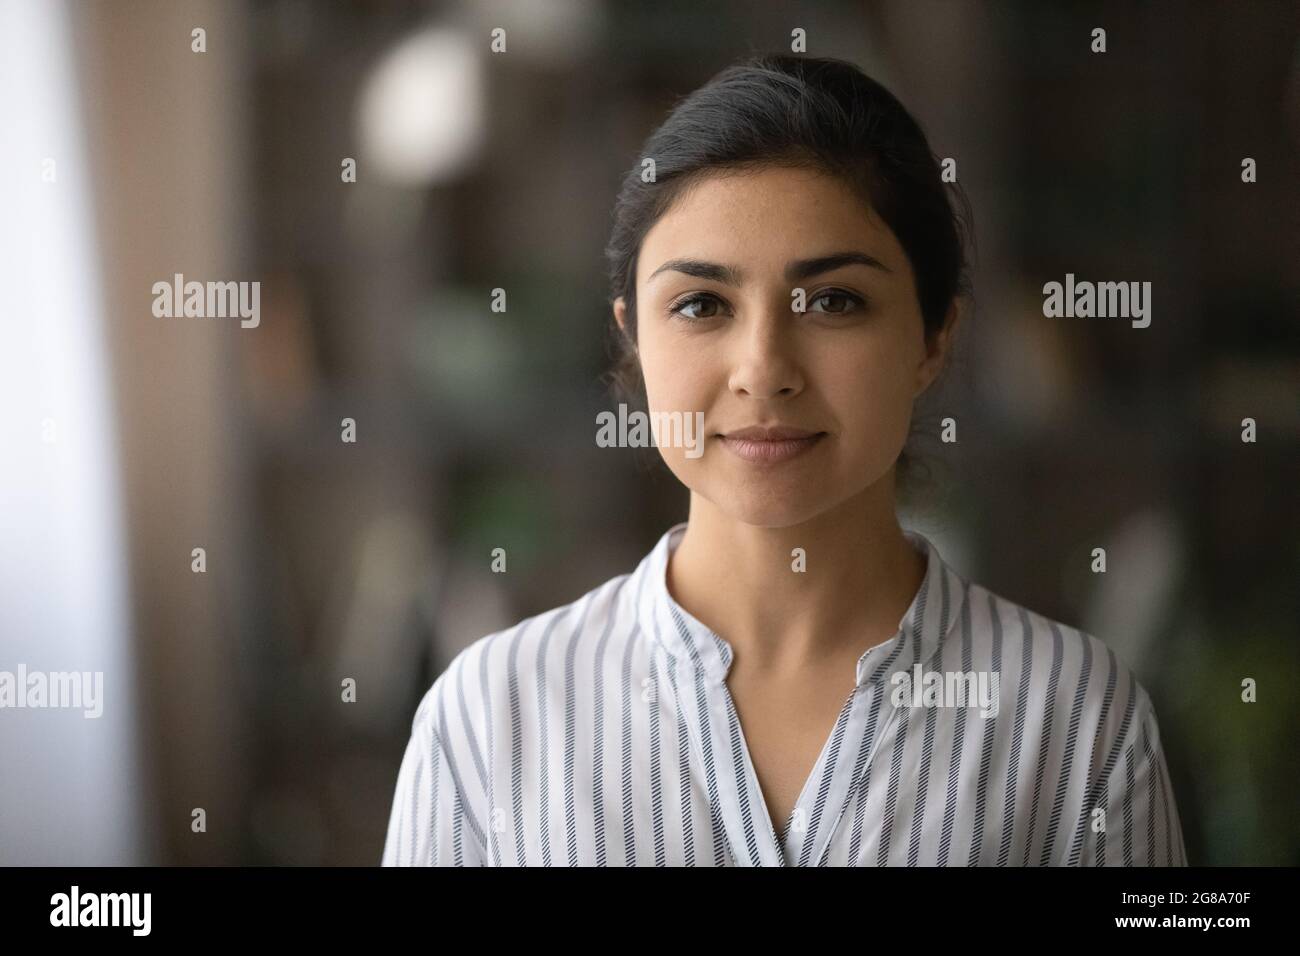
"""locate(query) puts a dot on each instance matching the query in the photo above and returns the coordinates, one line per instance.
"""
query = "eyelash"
(856, 303)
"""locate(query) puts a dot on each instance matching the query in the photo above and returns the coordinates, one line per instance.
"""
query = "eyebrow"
(797, 270)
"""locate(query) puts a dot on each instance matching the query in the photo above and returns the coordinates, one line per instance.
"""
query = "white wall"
(69, 786)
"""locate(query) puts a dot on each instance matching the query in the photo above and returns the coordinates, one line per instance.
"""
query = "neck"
(740, 581)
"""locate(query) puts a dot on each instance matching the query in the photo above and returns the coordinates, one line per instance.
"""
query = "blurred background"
(131, 440)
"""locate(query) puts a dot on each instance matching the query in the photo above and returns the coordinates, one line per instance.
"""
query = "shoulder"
(502, 670)
(1087, 690)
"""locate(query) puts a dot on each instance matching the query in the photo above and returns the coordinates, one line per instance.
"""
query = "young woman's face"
(718, 333)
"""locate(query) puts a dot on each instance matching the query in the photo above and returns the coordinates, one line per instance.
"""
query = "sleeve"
(429, 824)
(1140, 825)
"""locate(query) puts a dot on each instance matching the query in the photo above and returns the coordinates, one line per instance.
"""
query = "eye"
(847, 302)
(702, 302)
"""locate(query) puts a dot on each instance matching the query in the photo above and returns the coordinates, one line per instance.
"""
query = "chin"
(773, 508)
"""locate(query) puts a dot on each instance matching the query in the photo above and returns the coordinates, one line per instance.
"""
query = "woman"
(788, 678)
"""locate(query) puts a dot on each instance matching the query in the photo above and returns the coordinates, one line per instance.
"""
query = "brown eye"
(843, 302)
(705, 306)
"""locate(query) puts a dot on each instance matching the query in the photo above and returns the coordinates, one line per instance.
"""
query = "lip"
(769, 445)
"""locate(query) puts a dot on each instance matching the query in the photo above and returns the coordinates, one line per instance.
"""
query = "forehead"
(766, 217)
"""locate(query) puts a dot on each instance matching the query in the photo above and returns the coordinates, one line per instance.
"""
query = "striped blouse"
(602, 733)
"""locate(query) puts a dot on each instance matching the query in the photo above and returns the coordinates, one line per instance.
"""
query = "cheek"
(676, 378)
(870, 391)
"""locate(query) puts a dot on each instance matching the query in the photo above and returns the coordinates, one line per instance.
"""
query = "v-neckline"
(787, 855)
(720, 749)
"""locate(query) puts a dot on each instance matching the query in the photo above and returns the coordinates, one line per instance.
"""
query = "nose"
(764, 365)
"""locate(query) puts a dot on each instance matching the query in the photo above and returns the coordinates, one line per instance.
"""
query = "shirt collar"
(932, 613)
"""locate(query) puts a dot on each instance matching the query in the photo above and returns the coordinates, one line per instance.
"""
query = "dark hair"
(816, 113)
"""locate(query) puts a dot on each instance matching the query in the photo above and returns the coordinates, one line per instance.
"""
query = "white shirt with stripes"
(602, 733)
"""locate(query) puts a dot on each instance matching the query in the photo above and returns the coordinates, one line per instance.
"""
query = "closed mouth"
(768, 445)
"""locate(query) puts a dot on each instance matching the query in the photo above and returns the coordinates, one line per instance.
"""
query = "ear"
(937, 349)
(620, 314)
